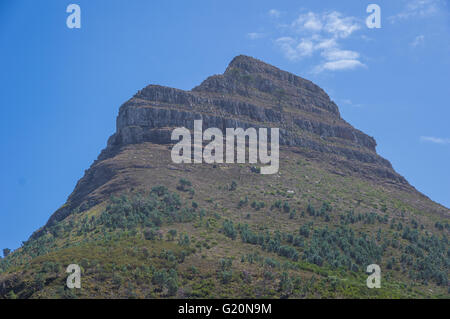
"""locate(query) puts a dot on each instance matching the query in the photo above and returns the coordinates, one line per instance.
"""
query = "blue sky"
(60, 88)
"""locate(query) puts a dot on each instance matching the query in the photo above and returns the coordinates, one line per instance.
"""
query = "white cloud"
(339, 65)
(294, 51)
(338, 54)
(418, 9)
(332, 23)
(286, 45)
(435, 140)
(340, 26)
(305, 47)
(326, 44)
(308, 21)
(419, 40)
(312, 33)
(255, 35)
(274, 13)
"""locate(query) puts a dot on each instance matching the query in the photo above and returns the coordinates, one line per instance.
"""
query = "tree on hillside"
(285, 286)
(171, 234)
(6, 252)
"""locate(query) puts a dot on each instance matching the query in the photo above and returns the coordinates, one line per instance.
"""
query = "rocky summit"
(335, 207)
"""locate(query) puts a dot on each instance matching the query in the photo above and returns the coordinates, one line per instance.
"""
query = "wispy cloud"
(309, 21)
(334, 24)
(255, 35)
(349, 102)
(418, 9)
(274, 13)
(294, 49)
(339, 65)
(313, 33)
(337, 54)
(419, 40)
(435, 140)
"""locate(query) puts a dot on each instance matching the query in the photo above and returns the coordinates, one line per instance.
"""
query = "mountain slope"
(222, 230)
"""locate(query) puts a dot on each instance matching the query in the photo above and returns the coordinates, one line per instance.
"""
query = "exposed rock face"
(250, 93)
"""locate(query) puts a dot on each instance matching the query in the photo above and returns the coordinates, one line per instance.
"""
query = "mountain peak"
(250, 93)
(255, 79)
(250, 64)
(134, 193)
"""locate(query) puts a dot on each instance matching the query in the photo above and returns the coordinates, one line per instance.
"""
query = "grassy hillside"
(221, 231)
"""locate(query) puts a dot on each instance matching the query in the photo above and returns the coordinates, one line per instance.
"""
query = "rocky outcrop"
(250, 93)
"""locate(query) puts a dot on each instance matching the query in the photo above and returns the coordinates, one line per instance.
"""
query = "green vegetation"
(244, 242)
